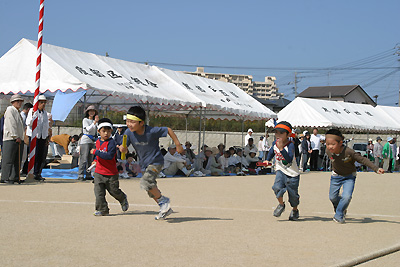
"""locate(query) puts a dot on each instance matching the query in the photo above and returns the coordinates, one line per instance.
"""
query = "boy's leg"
(292, 186)
(334, 189)
(100, 193)
(348, 188)
(279, 189)
(112, 187)
(279, 186)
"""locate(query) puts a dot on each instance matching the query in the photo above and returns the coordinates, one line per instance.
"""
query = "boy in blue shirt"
(287, 172)
(145, 140)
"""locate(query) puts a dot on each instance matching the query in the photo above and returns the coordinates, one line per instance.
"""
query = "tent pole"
(148, 115)
(186, 124)
(204, 130)
(198, 149)
(84, 105)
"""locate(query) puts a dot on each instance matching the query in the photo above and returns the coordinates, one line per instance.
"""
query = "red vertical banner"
(32, 149)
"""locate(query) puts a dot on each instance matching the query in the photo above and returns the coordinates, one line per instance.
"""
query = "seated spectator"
(132, 167)
(224, 161)
(250, 146)
(210, 164)
(232, 151)
(221, 149)
(198, 163)
(173, 163)
(241, 159)
(252, 159)
(73, 149)
(185, 158)
(163, 150)
(189, 152)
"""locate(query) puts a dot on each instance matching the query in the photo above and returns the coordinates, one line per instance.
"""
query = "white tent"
(118, 84)
(392, 113)
(306, 112)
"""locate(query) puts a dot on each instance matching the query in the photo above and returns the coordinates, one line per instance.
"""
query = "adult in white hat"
(42, 128)
(89, 129)
(13, 144)
(248, 135)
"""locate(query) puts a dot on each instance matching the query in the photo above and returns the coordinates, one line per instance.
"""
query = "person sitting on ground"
(173, 163)
(132, 167)
(189, 152)
(241, 159)
(210, 165)
(221, 149)
(224, 161)
(73, 150)
(233, 162)
(252, 160)
(250, 146)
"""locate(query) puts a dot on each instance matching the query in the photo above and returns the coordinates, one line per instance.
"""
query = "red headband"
(287, 128)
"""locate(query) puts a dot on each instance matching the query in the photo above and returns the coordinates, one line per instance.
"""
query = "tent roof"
(119, 84)
(305, 112)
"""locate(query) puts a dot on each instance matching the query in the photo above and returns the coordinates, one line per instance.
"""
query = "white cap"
(250, 130)
(42, 98)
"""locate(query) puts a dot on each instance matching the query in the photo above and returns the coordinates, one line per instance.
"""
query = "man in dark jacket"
(306, 150)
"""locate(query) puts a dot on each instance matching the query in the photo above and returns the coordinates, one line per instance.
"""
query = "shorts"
(148, 180)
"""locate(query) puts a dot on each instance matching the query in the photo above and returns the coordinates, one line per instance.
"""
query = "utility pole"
(398, 53)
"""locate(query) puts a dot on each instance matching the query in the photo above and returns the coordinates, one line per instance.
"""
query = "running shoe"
(279, 210)
(294, 215)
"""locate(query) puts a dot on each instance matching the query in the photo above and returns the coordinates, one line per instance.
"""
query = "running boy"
(343, 172)
(106, 173)
(287, 172)
(145, 140)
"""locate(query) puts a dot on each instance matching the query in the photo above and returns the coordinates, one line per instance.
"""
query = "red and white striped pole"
(32, 149)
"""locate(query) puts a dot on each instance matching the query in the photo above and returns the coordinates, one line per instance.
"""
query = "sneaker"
(165, 207)
(294, 215)
(125, 204)
(279, 210)
(163, 215)
(189, 172)
(336, 220)
(161, 175)
(100, 213)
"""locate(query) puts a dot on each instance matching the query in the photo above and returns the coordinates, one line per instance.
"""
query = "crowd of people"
(104, 158)
(310, 149)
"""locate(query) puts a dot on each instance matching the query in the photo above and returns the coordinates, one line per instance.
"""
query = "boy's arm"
(174, 138)
(365, 161)
(111, 150)
(271, 152)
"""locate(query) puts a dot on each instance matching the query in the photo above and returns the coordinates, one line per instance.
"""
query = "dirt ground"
(218, 221)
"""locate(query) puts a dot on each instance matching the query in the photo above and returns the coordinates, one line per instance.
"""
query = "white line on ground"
(192, 207)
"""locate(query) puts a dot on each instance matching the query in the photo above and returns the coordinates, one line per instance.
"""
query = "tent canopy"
(119, 84)
(306, 112)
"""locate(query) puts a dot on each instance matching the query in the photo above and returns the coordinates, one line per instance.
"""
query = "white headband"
(104, 124)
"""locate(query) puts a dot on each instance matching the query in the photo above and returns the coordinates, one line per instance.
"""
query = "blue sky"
(295, 35)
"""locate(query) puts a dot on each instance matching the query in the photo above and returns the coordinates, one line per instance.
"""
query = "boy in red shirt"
(106, 173)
